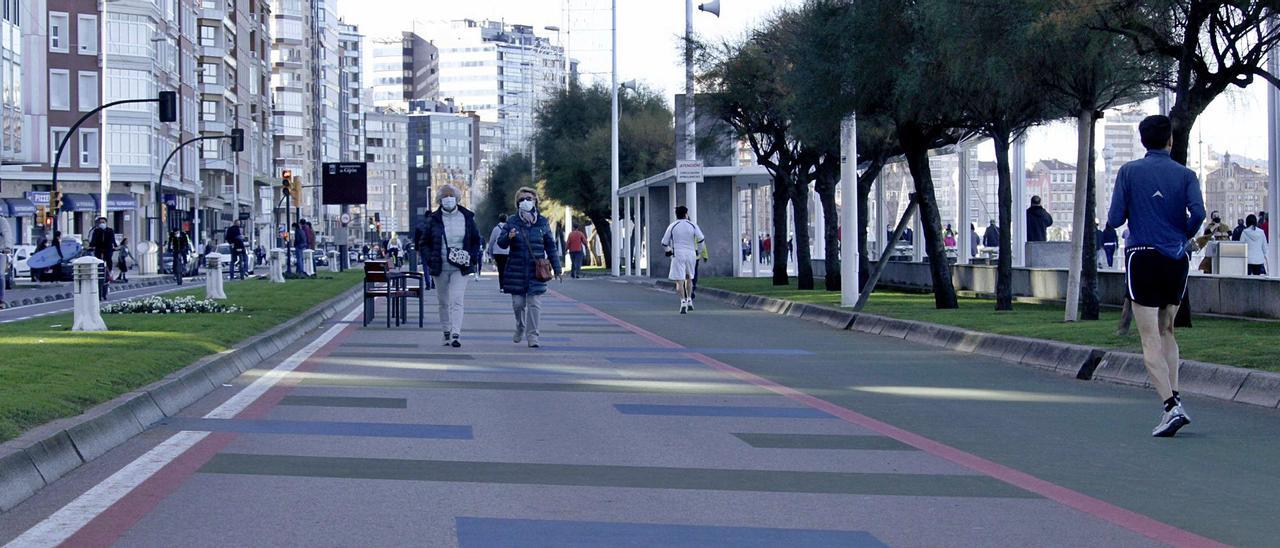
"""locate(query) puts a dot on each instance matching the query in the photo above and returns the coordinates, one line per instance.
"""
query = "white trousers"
(451, 287)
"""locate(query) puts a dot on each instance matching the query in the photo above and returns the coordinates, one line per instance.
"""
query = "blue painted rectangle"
(660, 350)
(500, 338)
(522, 533)
(656, 360)
(721, 411)
(323, 428)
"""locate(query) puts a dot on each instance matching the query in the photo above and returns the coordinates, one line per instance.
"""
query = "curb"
(64, 296)
(1223, 382)
(39, 457)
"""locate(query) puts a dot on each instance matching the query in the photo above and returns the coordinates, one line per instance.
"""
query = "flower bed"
(177, 305)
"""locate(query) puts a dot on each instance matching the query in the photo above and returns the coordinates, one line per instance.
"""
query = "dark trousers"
(239, 263)
(575, 258)
(297, 254)
(179, 267)
(1110, 251)
(501, 262)
(1257, 270)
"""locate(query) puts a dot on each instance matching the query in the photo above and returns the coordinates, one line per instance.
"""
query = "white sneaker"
(689, 304)
(1170, 422)
(684, 306)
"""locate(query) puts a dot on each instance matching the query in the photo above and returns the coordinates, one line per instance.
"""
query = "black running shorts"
(1154, 279)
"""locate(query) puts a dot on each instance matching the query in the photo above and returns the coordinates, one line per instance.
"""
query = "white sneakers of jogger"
(1170, 422)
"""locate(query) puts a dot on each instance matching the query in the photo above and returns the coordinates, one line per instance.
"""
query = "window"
(209, 111)
(59, 33)
(129, 84)
(88, 147)
(208, 73)
(56, 135)
(129, 145)
(130, 35)
(59, 89)
(87, 34)
(87, 88)
(210, 149)
(208, 36)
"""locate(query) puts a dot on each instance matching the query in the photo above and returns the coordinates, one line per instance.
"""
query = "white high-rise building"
(387, 152)
(499, 71)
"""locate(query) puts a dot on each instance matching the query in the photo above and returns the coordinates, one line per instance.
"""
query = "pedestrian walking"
(179, 247)
(239, 254)
(973, 240)
(1256, 241)
(102, 241)
(682, 241)
(299, 244)
(577, 245)
(991, 237)
(123, 258)
(499, 254)
(1038, 221)
(531, 264)
(451, 244)
(1109, 242)
(1161, 201)
(949, 237)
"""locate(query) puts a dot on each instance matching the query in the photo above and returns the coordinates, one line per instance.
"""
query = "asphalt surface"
(634, 425)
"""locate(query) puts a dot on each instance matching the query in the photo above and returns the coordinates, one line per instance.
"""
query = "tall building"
(351, 101)
(11, 82)
(1055, 182)
(499, 71)
(233, 42)
(387, 153)
(444, 147)
(1235, 191)
(405, 68)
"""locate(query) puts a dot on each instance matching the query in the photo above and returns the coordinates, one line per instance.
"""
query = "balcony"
(217, 52)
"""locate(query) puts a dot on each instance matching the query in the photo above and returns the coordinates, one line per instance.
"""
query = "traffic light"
(168, 106)
(55, 201)
(40, 215)
(237, 140)
(295, 189)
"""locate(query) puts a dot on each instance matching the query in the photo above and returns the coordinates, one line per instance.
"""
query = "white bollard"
(277, 266)
(309, 261)
(88, 316)
(213, 277)
(333, 262)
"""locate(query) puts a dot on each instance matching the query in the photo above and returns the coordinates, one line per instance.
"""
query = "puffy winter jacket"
(432, 240)
(518, 279)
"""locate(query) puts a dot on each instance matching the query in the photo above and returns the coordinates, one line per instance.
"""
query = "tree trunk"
(865, 181)
(944, 291)
(605, 231)
(804, 255)
(1004, 197)
(1084, 123)
(781, 197)
(826, 189)
(1090, 303)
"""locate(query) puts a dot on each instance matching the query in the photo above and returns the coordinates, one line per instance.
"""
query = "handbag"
(455, 255)
(542, 270)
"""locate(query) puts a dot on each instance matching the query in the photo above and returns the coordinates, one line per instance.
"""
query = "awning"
(79, 203)
(121, 202)
(18, 207)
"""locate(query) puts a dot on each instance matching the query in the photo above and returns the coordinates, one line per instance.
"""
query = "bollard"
(88, 317)
(213, 277)
(333, 262)
(309, 261)
(277, 266)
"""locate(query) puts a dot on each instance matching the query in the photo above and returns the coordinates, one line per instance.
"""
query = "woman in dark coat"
(529, 237)
(451, 226)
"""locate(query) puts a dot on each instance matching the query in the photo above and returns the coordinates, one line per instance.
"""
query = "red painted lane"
(1127, 519)
(110, 525)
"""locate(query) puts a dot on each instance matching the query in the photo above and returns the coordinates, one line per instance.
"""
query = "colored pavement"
(634, 425)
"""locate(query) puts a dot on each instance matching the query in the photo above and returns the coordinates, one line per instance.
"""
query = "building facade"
(387, 154)
(1235, 191)
(444, 147)
(405, 68)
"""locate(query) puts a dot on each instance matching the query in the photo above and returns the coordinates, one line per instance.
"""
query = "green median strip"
(1242, 343)
(48, 372)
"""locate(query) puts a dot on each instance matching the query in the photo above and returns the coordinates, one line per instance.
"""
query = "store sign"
(38, 198)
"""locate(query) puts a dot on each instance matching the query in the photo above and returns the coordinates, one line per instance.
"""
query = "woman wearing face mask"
(530, 240)
(452, 250)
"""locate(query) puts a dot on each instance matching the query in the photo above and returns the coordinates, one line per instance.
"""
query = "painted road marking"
(64, 523)
(822, 441)
(653, 361)
(529, 533)
(323, 428)
(581, 385)
(721, 411)
(600, 475)
(345, 401)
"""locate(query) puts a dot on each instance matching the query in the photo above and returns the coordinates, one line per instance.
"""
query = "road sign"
(38, 198)
(346, 219)
(688, 171)
(245, 215)
(344, 183)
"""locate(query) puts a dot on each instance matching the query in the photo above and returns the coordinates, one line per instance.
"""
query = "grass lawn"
(49, 372)
(1244, 343)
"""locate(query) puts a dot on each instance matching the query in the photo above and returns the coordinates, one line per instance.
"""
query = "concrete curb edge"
(1211, 380)
(41, 456)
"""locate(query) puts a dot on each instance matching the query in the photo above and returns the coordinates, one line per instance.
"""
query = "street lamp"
(691, 150)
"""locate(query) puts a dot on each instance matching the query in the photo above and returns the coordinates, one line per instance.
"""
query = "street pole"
(1273, 159)
(690, 125)
(850, 288)
(613, 143)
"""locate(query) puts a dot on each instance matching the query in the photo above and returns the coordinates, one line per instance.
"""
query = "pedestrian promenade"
(634, 425)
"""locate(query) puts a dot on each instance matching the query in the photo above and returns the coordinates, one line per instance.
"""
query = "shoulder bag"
(455, 255)
(542, 270)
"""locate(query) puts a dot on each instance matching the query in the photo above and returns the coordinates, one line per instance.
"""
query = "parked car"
(20, 255)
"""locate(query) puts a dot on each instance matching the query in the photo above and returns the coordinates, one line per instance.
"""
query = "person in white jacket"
(682, 241)
(1253, 237)
(499, 254)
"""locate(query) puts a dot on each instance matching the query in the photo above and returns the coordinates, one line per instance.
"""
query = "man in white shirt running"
(682, 240)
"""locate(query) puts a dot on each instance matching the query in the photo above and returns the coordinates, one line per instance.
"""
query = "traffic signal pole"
(160, 179)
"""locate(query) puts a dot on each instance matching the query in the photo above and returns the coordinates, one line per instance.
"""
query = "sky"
(649, 34)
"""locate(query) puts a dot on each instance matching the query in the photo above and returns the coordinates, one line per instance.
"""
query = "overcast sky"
(648, 50)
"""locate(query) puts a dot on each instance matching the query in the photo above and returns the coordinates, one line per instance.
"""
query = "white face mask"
(102, 225)
(526, 205)
(449, 202)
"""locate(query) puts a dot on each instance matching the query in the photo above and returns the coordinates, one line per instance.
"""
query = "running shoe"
(1170, 422)
(456, 342)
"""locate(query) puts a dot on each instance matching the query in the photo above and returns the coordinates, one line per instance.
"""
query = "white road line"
(64, 523)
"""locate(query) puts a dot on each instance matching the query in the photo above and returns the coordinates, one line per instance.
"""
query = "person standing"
(577, 245)
(682, 241)
(239, 256)
(299, 244)
(1161, 201)
(499, 254)
(179, 247)
(991, 237)
(451, 244)
(6, 246)
(529, 240)
(123, 256)
(1038, 221)
(1256, 240)
(102, 240)
(1235, 232)
(949, 237)
(974, 240)
(1109, 241)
